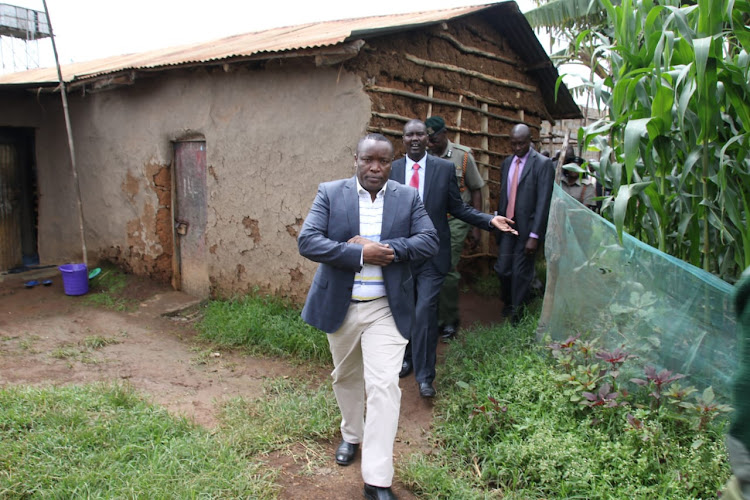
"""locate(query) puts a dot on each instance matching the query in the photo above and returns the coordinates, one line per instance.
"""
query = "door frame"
(23, 138)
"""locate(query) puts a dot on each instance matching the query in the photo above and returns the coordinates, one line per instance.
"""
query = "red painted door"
(190, 216)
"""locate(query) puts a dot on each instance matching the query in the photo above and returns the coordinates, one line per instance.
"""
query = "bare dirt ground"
(43, 341)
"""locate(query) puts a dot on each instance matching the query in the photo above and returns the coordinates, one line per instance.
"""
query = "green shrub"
(507, 424)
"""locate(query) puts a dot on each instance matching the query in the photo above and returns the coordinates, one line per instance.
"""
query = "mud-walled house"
(197, 164)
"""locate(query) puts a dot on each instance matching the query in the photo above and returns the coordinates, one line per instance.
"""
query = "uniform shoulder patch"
(461, 147)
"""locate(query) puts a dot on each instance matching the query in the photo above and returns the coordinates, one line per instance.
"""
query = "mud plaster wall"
(125, 195)
(145, 250)
(295, 127)
(272, 135)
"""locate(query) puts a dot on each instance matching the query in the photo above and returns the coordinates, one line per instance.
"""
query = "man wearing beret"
(470, 184)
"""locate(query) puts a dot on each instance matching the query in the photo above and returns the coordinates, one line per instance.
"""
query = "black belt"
(356, 301)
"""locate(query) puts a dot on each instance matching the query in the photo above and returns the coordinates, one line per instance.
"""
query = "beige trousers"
(367, 353)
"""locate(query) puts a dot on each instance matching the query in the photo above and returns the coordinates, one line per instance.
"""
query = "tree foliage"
(563, 20)
(559, 15)
(675, 146)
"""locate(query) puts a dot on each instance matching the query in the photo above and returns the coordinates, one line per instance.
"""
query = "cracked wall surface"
(148, 250)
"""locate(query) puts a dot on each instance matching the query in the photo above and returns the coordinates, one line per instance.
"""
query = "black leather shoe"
(406, 368)
(378, 493)
(449, 333)
(426, 390)
(345, 453)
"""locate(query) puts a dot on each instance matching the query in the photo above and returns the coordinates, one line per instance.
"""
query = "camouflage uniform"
(582, 190)
(468, 180)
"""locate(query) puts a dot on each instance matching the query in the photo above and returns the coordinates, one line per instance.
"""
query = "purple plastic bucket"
(75, 278)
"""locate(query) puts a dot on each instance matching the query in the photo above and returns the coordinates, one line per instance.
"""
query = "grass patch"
(263, 325)
(65, 352)
(203, 356)
(27, 344)
(83, 351)
(97, 341)
(291, 411)
(106, 442)
(504, 427)
(106, 290)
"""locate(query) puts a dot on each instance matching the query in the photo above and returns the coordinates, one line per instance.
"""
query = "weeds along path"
(48, 338)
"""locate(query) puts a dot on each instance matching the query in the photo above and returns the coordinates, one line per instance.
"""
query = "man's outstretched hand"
(374, 253)
(503, 224)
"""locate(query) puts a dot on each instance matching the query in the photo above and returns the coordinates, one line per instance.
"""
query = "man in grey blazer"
(364, 231)
(435, 179)
(528, 205)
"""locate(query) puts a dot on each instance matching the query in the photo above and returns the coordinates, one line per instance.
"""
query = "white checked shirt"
(368, 282)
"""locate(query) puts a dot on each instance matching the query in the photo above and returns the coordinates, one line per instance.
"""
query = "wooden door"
(11, 254)
(190, 217)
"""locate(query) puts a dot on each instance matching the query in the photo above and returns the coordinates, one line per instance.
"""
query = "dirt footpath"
(47, 337)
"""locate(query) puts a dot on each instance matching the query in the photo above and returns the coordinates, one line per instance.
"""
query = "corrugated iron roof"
(505, 16)
(274, 40)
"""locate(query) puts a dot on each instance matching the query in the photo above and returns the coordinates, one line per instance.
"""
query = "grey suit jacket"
(533, 194)
(441, 197)
(332, 221)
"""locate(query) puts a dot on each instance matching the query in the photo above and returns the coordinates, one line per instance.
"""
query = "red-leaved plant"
(657, 381)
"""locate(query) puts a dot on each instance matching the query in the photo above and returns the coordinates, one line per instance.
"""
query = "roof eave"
(328, 48)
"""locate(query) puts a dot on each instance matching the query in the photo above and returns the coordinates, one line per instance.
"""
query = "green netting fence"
(667, 312)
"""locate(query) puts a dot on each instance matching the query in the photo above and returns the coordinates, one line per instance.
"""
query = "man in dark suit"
(525, 192)
(435, 179)
(364, 232)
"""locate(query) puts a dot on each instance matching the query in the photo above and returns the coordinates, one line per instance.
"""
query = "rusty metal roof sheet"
(249, 44)
(505, 16)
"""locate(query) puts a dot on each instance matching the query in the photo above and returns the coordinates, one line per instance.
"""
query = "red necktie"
(414, 182)
(511, 210)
